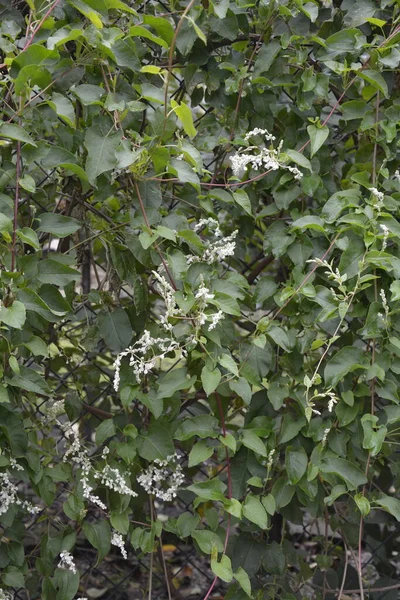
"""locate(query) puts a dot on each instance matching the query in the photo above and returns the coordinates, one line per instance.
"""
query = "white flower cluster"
(55, 410)
(384, 302)
(333, 274)
(143, 355)
(67, 562)
(266, 158)
(5, 595)
(117, 540)
(9, 496)
(333, 400)
(203, 295)
(217, 250)
(257, 131)
(211, 224)
(325, 436)
(270, 460)
(162, 472)
(167, 292)
(80, 457)
(112, 478)
(385, 232)
(378, 197)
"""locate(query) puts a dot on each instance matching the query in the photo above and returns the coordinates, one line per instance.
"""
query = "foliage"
(246, 308)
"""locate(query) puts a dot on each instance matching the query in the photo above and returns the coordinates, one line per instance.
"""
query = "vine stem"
(39, 25)
(16, 202)
(229, 494)
(171, 56)
(146, 220)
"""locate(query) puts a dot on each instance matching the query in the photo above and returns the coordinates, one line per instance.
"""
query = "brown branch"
(259, 268)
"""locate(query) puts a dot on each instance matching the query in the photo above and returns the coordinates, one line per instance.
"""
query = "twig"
(346, 562)
(16, 201)
(143, 210)
(171, 56)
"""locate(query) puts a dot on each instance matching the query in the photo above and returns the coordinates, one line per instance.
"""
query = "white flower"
(159, 473)
(215, 319)
(325, 436)
(211, 224)
(384, 301)
(167, 292)
(397, 175)
(9, 496)
(378, 197)
(15, 465)
(203, 293)
(80, 457)
(258, 131)
(67, 562)
(385, 231)
(270, 458)
(117, 540)
(142, 355)
(5, 595)
(265, 158)
(112, 478)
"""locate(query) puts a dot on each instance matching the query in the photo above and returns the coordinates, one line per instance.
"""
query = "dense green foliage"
(249, 314)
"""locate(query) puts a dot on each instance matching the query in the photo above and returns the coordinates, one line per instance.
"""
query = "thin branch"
(16, 201)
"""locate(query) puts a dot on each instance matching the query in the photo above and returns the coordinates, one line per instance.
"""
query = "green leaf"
(94, 17)
(57, 273)
(374, 435)
(185, 115)
(105, 430)
(299, 159)
(275, 560)
(253, 442)
(64, 108)
(210, 379)
(209, 490)
(15, 132)
(269, 504)
(36, 345)
(345, 361)
(99, 536)
(58, 225)
(296, 461)
(350, 473)
(309, 222)
(200, 453)
(223, 569)
(242, 199)
(318, 136)
(242, 388)
(139, 31)
(392, 505)
(30, 381)
(203, 426)
(363, 505)
(101, 146)
(229, 364)
(207, 540)
(115, 328)
(254, 511)
(13, 316)
(375, 79)
(155, 443)
(187, 523)
(67, 584)
(243, 580)
(28, 183)
(29, 237)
